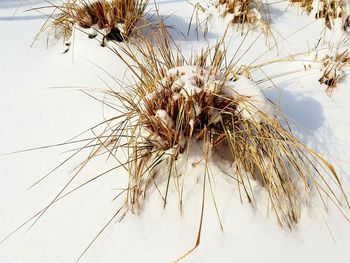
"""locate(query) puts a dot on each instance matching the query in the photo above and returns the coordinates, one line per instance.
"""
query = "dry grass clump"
(255, 14)
(329, 10)
(333, 69)
(243, 14)
(115, 19)
(304, 4)
(176, 101)
(179, 101)
(243, 11)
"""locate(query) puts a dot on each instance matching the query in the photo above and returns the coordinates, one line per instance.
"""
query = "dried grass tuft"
(329, 10)
(178, 101)
(245, 15)
(333, 69)
(306, 5)
(243, 11)
(116, 19)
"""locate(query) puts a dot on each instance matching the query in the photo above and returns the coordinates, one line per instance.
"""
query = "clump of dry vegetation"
(243, 14)
(177, 101)
(255, 14)
(243, 11)
(304, 4)
(329, 10)
(333, 69)
(116, 19)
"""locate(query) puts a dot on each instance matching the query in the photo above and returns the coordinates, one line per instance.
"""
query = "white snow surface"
(41, 103)
(165, 118)
(256, 100)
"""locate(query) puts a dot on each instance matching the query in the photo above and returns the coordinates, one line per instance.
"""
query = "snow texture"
(32, 115)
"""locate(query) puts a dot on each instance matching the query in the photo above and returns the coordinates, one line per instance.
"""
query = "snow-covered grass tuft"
(115, 19)
(242, 11)
(306, 5)
(329, 10)
(334, 69)
(175, 102)
(244, 15)
(255, 15)
(180, 101)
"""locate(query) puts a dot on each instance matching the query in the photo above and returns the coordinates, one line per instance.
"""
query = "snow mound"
(187, 81)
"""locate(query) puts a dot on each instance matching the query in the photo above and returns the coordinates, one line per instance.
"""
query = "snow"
(257, 101)
(165, 118)
(214, 12)
(190, 80)
(186, 80)
(41, 104)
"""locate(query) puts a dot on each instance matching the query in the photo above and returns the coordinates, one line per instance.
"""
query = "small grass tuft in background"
(329, 10)
(243, 11)
(115, 19)
(333, 66)
(244, 15)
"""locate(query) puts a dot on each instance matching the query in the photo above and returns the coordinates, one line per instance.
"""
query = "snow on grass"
(54, 117)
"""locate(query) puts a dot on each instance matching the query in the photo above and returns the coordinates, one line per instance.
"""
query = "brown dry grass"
(162, 120)
(332, 69)
(329, 10)
(244, 11)
(262, 148)
(306, 5)
(244, 15)
(260, 144)
(103, 15)
(256, 13)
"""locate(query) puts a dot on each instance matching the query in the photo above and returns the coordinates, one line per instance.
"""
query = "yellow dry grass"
(161, 121)
(105, 16)
(332, 69)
